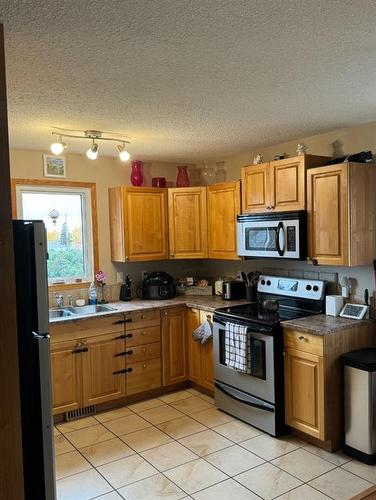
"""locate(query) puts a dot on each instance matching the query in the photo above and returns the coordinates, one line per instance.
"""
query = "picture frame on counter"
(54, 166)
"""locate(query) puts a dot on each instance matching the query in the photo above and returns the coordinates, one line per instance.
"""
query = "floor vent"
(81, 412)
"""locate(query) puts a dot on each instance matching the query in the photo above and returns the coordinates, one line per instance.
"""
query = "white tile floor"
(180, 446)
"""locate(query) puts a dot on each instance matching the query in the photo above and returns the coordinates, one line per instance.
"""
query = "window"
(67, 214)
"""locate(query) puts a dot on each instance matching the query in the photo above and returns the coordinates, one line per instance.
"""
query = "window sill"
(67, 286)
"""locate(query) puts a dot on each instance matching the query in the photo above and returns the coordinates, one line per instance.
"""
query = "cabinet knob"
(126, 257)
(172, 255)
(143, 333)
(144, 365)
(301, 338)
(165, 313)
(142, 316)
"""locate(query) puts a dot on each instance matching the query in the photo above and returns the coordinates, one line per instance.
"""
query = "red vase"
(136, 175)
(182, 179)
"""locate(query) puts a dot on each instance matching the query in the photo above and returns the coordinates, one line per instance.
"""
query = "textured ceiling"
(192, 79)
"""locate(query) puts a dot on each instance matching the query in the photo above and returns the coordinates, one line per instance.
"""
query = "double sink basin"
(66, 312)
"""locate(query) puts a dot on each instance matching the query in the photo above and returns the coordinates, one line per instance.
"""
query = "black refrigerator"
(30, 253)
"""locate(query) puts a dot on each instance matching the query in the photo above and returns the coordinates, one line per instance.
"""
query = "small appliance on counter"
(125, 289)
(233, 290)
(158, 285)
(334, 305)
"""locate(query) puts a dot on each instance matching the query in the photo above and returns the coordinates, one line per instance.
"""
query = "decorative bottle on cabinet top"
(137, 178)
(182, 179)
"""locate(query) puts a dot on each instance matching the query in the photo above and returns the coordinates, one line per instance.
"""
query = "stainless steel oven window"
(258, 354)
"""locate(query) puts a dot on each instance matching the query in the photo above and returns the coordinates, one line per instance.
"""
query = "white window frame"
(87, 222)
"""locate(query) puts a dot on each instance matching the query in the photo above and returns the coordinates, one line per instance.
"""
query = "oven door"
(269, 238)
(260, 383)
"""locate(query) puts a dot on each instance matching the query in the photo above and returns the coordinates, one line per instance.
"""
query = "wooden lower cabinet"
(200, 356)
(101, 383)
(66, 374)
(304, 382)
(174, 345)
(314, 386)
(145, 375)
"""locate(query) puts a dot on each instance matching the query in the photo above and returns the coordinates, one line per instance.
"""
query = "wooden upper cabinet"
(223, 207)
(277, 186)
(174, 345)
(340, 203)
(188, 231)
(256, 188)
(138, 223)
(100, 362)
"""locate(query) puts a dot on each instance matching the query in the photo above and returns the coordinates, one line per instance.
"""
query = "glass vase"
(137, 178)
(220, 173)
(182, 179)
(207, 175)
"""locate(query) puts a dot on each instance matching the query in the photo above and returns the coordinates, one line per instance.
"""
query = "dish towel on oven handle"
(237, 348)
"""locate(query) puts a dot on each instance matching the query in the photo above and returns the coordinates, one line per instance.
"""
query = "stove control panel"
(291, 287)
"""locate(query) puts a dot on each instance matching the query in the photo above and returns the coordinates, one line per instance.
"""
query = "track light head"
(92, 152)
(58, 147)
(123, 153)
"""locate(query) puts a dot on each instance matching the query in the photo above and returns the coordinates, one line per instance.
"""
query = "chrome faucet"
(59, 300)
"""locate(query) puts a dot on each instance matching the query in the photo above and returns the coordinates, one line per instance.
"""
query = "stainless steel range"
(257, 397)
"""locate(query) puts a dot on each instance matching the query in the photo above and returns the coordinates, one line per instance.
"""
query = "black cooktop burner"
(254, 312)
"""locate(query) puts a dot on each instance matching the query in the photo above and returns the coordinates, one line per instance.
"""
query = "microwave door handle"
(280, 250)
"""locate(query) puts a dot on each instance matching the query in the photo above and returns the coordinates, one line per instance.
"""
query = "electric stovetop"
(253, 311)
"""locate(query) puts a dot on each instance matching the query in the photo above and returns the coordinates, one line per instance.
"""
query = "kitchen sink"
(79, 311)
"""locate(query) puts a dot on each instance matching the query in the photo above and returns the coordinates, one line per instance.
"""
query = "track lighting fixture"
(58, 147)
(92, 152)
(123, 153)
(94, 135)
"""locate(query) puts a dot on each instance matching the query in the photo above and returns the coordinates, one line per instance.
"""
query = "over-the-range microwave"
(276, 235)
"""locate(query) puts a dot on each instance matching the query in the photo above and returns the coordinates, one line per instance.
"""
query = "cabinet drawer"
(74, 329)
(143, 336)
(144, 352)
(143, 319)
(144, 376)
(313, 344)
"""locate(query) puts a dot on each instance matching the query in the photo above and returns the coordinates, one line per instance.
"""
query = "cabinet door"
(255, 188)
(223, 207)
(194, 347)
(327, 197)
(188, 223)
(145, 218)
(304, 392)
(287, 184)
(207, 357)
(174, 345)
(66, 373)
(100, 383)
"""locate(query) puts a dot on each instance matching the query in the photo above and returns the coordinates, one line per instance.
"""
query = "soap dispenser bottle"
(92, 294)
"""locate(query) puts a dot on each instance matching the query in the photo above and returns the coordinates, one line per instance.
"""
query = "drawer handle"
(119, 322)
(124, 353)
(126, 370)
(129, 335)
(120, 337)
(301, 338)
(79, 350)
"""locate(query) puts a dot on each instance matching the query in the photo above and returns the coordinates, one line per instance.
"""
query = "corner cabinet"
(223, 208)
(200, 356)
(188, 227)
(138, 224)
(277, 186)
(340, 204)
(174, 345)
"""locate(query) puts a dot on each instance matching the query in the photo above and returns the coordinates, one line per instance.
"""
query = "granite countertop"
(320, 324)
(204, 302)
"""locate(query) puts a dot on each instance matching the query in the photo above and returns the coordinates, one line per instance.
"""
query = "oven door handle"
(250, 402)
(280, 250)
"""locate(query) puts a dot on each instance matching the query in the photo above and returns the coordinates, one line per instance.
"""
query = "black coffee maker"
(158, 285)
(125, 289)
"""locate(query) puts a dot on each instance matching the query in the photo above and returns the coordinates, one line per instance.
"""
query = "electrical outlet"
(144, 274)
(119, 277)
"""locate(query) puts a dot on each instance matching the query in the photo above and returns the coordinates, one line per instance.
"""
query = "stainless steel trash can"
(360, 404)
